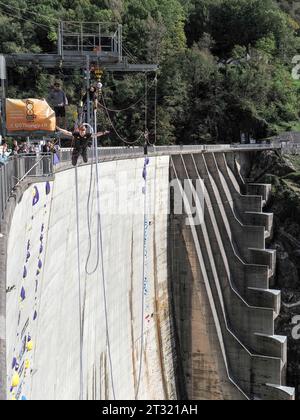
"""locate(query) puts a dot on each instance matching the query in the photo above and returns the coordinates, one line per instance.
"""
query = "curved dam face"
(44, 304)
(165, 296)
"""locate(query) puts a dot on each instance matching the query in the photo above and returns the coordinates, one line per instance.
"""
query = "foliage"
(225, 65)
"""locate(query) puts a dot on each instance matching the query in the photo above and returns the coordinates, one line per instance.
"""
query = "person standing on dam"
(59, 101)
(81, 141)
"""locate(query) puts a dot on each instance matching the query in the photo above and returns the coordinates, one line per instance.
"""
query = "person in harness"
(81, 140)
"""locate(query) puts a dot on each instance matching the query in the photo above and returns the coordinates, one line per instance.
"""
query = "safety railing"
(15, 169)
(90, 37)
(20, 167)
(133, 151)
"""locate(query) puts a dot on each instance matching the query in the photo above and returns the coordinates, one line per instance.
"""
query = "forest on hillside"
(225, 66)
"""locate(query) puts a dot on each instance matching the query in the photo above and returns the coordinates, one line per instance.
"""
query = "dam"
(108, 290)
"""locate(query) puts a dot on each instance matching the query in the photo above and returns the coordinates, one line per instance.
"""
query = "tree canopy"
(225, 65)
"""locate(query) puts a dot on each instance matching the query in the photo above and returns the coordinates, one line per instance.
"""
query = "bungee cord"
(100, 245)
(79, 286)
(123, 139)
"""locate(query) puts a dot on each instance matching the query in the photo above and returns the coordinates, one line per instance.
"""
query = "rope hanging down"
(146, 132)
(100, 237)
(141, 99)
(155, 113)
(145, 275)
(89, 222)
(131, 143)
(102, 264)
(89, 210)
(79, 287)
(100, 254)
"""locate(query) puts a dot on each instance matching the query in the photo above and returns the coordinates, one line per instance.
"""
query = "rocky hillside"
(284, 174)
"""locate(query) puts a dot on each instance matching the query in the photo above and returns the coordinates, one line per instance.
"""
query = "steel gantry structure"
(80, 45)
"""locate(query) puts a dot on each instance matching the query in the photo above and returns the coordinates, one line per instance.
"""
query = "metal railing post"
(81, 36)
(99, 30)
(120, 46)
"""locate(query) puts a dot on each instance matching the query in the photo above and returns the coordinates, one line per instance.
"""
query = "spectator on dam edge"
(4, 153)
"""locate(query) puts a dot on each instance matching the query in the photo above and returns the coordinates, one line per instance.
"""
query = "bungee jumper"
(81, 140)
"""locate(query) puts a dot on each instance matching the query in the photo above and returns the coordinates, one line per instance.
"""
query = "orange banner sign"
(29, 115)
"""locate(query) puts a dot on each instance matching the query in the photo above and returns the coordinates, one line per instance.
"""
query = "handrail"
(18, 168)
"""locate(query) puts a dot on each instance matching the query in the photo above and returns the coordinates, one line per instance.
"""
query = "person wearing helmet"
(82, 139)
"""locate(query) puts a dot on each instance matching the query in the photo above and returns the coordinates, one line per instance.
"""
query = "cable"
(100, 244)
(44, 27)
(145, 98)
(116, 131)
(145, 277)
(131, 106)
(146, 116)
(102, 257)
(79, 287)
(143, 312)
(89, 217)
(124, 109)
(146, 103)
(29, 11)
(155, 113)
(90, 273)
(130, 55)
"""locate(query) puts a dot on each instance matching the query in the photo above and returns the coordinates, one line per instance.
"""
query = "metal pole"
(81, 36)
(3, 93)
(59, 48)
(62, 38)
(120, 42)
(88, 85)
(100, 43)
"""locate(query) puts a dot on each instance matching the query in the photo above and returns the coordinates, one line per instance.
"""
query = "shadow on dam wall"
(201, 374)
(186, 313)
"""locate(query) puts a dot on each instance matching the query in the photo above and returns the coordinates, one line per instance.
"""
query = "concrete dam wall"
(141, 303)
